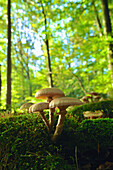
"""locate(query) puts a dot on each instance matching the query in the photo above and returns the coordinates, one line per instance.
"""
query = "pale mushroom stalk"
(51, 115)
(39, 108)
(42, 114)
(51, 118)
(62, 103)
(49, 94)
(59, 126)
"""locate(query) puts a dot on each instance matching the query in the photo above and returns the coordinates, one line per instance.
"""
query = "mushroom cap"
(92, 114)
(38, 107)
(26, 106)
(97, 97)
(94, 93)
(64, 102)
(48, 93)
(30, 108)
(86, 97)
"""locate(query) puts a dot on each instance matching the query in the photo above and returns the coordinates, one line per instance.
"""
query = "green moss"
(26, 144)
(105, 106)
(92, 133)
(93, 139)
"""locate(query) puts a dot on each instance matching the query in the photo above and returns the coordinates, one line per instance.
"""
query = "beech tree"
(0, 85)
(8, 98)
(50, 79)
(109, 35)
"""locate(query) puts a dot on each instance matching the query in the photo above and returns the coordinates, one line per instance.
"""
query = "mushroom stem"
(51, 118)
(45, 120)
(51, 115)
(59, 126)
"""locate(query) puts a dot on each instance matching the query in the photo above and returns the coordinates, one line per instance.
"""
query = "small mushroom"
(30, 108)
(96, 98)
(40, 107)
(85, 99)
(49, 94)
(26, 106)
(62, 103)
(94, 93)
(93, 115)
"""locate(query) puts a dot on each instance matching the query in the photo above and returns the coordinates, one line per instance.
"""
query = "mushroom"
(85, 99)
(96, 98)
(94, 93)
(62, 103)
(26, 106)
(30, 108)
(40, 107)
(49, 94)
(93, 115)
(88, 114)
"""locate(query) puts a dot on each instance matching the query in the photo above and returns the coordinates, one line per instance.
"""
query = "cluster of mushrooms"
(91, 97)
(55, 98)
(93, 115)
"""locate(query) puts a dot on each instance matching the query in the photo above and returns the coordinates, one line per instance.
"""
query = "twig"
(76, 157)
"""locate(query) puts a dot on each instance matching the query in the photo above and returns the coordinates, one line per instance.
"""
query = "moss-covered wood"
(93, 139)
(105, 106)
(26, 144)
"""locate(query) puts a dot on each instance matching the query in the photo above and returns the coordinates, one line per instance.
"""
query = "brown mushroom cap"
(30, 108)
(97, 97)
(88, 113)
(92, 114)
(94, 93)
(40, 107)
(26, 106)
(86, 97)
(48, 93)
(64, 102)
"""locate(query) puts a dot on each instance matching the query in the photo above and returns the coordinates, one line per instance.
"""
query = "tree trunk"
(50, 79)
(98, 20)
(30, 85)
(108, 34)
(0, 85)
(49, 65)
(8, 97)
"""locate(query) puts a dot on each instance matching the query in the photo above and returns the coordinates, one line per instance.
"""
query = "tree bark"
(49, 65)
(8, 97)
(0, 85)
(98, 20)
(108, 34)
(50, 79)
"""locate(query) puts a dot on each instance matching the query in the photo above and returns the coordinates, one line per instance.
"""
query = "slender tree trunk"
(98, 20)
(0, 85)
(108, 34)
(22, 85)
(8, 97)
(49, 65)
(30, 85)
(50, 79)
